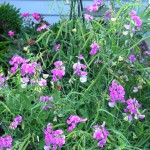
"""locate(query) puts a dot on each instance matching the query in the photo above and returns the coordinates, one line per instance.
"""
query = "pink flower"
(92, 8)
(98, 2)
(132, 13)
(43, 27)
(80, 57)
(127, 26)
(53, 138)
(132, 58)
(95, 47)
(88, 17)
(57, 46)
(11, 33)
(24, 15)
(36, 16)
(101, 134)
(42, 82)
(73, 121)
(6, 142)
(15, 123)
(132, 108)
(117, 93)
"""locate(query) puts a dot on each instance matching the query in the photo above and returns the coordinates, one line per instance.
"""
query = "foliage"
(68, 73)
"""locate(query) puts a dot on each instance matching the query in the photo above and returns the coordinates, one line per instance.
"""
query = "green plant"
(10, 19)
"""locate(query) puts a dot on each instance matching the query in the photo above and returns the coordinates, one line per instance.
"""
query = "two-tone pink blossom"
(95, 47)
(58, 72)
(43, 27)
(57, 47)
(100, 134)
(36, 16)
(73, 121)
(132, 110)
(88, 17)
(15, 123)
(53, 138)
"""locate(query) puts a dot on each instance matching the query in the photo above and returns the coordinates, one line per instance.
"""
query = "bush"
(10, 19)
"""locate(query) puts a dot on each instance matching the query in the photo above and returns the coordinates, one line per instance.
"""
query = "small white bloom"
(113, 19)
(83, 79)
(24, 85)
(125, 32)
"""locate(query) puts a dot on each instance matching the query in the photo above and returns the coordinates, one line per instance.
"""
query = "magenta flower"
(147, 52)
(73, 121)
(88, 17)
(57, 46)
(15, 123)
(24, 15)
(11, 33)
(58, 72)
(6, 142)
(43, 27)
(133, 109)
(36, 16)
(45, 98)
(92, 8)
(132, 58)
(116, 93)
(101, 134)
(132, 13)
(95, 47)
(80, 57)
(53, 138)
(98, 2)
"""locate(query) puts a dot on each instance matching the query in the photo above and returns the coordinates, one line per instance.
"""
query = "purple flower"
(73, 121)
(42, 82)
(45, 98)
(58, 72)
(116, 93)
(98, 2)
(54, 138)
(133, 109)
(6, 142)
(11, 33)
(95, 47)
(135, 89)
(147, 52)
(15, 123)
(92, 8)
(132, 58)
(101, 134)
(57, 46)
(88, 17)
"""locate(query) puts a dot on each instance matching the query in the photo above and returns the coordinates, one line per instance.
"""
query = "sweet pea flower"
(24, 15)
(95, 47)
(11, 33)
(6, 142)
(132, 58)
(73, 121)
(36, 16)
(88, 17)
(57, 46)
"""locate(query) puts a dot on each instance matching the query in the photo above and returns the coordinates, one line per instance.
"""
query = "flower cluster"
(58, 72)
(132, 108)
(53, 138)
(15, 123)
(43, 27)
(136, 19)
(6, 142)
(73, 121)
(27, 69)
(80, 69)
(117, 93)
(95, 47)
(101, 134)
